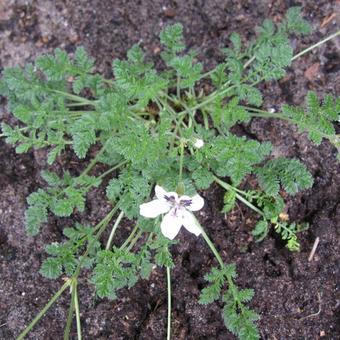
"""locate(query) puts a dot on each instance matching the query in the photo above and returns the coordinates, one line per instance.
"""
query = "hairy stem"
(114, 228)
(181, 158)
(135, 239)
(76, 305)
(45, 309)
(69, 317)
(75, 98)
(229, 187)
(212, 248)
(169, 302)
(316, 45)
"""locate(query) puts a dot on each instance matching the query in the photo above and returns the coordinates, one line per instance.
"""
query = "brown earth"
(296, 299)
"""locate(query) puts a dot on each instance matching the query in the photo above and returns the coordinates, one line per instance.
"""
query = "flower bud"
(198, 143)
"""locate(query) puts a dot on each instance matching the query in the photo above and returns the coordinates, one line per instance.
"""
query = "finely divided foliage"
(143, 128)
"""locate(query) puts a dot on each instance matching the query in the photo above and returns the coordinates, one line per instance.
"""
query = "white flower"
(198, 143)
(178, 211)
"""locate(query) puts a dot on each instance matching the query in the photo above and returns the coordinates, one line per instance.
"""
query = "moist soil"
(296, 298)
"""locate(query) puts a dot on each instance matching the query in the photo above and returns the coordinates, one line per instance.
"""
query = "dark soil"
(296, 299)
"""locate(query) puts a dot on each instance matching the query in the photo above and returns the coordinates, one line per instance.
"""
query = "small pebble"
(169, 12)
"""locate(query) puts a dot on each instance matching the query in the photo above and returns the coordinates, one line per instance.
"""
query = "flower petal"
(154, 208)
(162, 194)
(197, 203)
(190, 223)
(171, 224)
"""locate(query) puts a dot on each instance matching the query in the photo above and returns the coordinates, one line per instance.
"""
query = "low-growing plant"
(160, 132)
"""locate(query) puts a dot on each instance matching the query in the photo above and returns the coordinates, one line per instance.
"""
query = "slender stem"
(106, 219)
(101, 226)
(221, 263)
(181, 158)
(93, 161)
(316, 45)
(107, 172)
(76, 104)
(178, 90)
(264, 114)
(21, 129)
(208, 99)
(76, 305)
(44, 310)
(238, 196)
(207, 74)
(169, 303)
(134, 240)
(249, 62)
(69, 317)
(75, 98)
(114, 228)
(205, 120)
(127, 241)
(212, 247)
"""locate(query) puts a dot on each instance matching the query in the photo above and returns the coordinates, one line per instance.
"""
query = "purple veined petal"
(190, 223)
(154, 208)
(171, 224)
(197, 203)
(162, 194)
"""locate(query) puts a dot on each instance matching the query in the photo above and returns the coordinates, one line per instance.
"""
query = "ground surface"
(297, 299)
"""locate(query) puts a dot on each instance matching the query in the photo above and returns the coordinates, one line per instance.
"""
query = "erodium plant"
(160, 133)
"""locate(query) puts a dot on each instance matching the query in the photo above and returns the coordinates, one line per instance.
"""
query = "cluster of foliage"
(140, 124)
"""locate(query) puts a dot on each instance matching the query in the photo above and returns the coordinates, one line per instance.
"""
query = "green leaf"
(54, 153)
(235, 156)
(250, 94)
(163, 257)
(55, 67)
(246, 295)
(295, 23)
(83, 134)
(61, 207)
(34, 217)
(82, 60)
(317, 119)
(210, 294)
(172, 40)
(261, 230)
(229, 201)
(188, 72)
(291, 174)
(203, 178)
(137, 78)
(51, 268)
(51, 178)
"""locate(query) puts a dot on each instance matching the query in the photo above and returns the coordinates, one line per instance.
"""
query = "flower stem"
(114, 228)
(180, 186)
(135, 239)
(76, 307)
(69, 317)
(75, 98)
(212, 248)
(45, 309)
(316, 45)
(229, 187)
(127, 241)
(169, 303)
(70, 283)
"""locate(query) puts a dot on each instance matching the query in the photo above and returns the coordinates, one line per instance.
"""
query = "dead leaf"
(327, 20)
(312, 71)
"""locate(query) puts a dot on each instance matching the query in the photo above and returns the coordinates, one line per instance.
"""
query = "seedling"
(159, 133)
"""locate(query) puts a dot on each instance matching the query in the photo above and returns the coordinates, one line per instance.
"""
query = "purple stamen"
(170, 199)
(186, 203)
